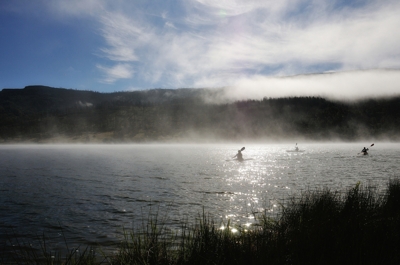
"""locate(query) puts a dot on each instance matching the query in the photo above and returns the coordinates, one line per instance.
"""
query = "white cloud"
(170, 25)
(122, 36)
(119, 71)
(228, 42)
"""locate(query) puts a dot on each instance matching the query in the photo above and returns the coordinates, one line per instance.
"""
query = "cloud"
(240, 41)
(123, 37)
(230, 42)
(119, 71)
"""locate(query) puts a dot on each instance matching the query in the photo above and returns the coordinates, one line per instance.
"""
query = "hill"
(46, 114)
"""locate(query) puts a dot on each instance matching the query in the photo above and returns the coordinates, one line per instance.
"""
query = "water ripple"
(92, 192)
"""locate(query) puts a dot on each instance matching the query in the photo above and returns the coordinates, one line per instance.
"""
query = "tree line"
(41, 113)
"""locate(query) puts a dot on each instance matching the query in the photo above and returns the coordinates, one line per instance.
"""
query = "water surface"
(94, 191)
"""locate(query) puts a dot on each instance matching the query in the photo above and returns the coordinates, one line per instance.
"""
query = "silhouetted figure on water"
(364, 151)
(239, 155)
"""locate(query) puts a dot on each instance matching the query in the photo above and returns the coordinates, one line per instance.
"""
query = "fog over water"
(93, 191)
(341, 85)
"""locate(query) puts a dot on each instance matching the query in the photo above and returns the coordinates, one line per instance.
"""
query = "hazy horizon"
(318, 85)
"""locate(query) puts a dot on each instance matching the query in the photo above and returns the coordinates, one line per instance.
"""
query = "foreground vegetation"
(358, 226)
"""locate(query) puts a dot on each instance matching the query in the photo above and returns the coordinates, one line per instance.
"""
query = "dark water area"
(88, 194)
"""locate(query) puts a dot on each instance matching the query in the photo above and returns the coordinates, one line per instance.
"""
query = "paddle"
(370, 146)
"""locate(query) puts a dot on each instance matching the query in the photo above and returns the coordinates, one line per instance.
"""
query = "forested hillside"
(44, 114)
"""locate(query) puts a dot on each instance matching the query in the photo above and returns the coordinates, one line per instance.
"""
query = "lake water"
(94, 191)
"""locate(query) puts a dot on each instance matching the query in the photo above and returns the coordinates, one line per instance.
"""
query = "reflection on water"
(93, 191)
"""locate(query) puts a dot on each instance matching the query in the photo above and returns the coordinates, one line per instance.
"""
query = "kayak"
(295, 151)
(240, 160)
(364, 153)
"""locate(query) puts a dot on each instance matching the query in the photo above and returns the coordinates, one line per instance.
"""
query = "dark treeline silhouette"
(39, 114)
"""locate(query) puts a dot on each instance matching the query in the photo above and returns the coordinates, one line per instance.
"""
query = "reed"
(358, 226)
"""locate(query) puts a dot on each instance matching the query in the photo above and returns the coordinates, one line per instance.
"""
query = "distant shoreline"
(52, 115)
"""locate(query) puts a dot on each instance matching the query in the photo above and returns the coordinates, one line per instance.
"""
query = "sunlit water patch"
(94, 191)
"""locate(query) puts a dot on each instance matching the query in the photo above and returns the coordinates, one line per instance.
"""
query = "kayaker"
(239, 156)
(364, 150)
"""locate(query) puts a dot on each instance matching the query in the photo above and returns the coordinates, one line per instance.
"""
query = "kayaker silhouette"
(239, 155)
(364, 150)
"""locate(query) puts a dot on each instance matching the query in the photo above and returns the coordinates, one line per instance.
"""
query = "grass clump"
(358, 226)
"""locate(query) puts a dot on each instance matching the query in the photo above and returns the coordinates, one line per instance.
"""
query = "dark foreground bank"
(358, 226)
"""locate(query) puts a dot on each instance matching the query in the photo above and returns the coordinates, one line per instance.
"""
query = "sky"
(253, 48)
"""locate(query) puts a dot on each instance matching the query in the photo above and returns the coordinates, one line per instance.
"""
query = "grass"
(358, 226)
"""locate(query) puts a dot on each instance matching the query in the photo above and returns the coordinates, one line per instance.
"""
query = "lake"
(94, 191)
